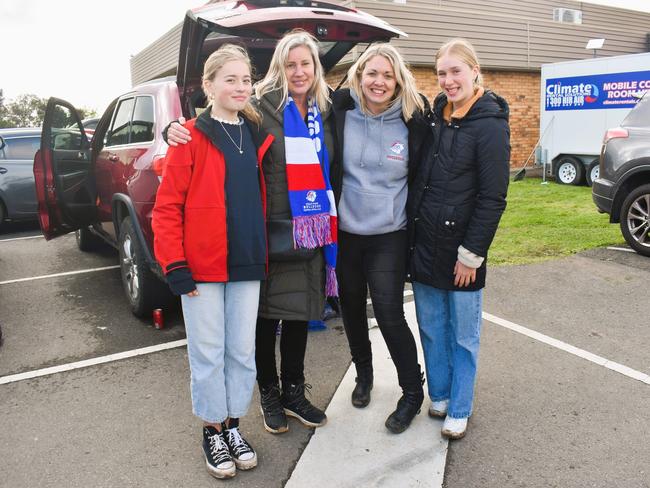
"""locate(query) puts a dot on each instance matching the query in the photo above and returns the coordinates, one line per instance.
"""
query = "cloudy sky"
(79, 50)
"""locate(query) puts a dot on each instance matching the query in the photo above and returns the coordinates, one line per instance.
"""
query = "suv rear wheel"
(143, 289)
(635, 219)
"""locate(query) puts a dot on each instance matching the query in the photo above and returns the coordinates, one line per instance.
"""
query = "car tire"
(142, 287)
(87, 241)
(569, 171)
(635, 219)
(593, 170)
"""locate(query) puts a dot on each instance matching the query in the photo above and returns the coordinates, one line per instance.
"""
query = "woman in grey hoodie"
(380, 126)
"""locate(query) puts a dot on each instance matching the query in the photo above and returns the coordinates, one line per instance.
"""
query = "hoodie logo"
(397, 147)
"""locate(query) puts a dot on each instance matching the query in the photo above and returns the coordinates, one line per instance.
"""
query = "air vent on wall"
(567, 15)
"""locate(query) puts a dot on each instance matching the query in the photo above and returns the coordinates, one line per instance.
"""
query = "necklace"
(226, 121)
(241, 138)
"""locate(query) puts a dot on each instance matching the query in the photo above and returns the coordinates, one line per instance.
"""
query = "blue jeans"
(450, 329)
(220, 327)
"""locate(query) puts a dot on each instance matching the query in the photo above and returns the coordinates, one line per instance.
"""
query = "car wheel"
(143, 289)
(87, 241)
(569, 171)
(635, 220)
(593, 170)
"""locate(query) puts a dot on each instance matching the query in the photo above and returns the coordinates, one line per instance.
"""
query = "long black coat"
(459, 192)
(417, 127)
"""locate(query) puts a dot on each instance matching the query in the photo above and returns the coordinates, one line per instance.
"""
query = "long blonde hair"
(276, 79)
(463, 50)
(405, 91)
(216, 61)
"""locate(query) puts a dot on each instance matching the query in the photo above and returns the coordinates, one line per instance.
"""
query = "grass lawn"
(544, 222)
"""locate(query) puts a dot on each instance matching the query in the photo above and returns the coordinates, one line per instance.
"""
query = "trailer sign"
(613, 90)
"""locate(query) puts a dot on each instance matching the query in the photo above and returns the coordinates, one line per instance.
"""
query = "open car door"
(65, 186)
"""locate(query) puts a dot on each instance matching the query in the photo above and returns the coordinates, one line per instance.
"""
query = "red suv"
(105, 189)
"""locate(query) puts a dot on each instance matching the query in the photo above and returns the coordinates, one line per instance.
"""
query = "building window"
(567, 15)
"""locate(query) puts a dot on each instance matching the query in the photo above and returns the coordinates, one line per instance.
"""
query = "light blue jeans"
(450, 329)
(220, 327)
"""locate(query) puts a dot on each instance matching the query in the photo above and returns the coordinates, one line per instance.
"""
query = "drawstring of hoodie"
(365, 139)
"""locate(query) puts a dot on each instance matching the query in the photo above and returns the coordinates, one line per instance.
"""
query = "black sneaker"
(240, 450)
(217, 454)
(296, 405)
(275, 420)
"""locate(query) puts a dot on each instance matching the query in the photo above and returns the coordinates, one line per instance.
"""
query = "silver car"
(17, 191)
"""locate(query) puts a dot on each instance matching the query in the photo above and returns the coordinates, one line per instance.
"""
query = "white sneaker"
(439, 409)
(454, 428)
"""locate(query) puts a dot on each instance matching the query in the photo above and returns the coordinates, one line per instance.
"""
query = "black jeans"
(293, 343)
(377, 263)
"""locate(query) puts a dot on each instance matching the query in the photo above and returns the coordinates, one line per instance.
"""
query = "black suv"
(623, 187)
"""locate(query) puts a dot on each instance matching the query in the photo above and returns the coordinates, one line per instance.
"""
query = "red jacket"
(189, 216)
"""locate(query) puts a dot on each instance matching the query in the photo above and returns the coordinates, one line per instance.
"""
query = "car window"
(142, 123)
(119, 133)
(639, 115)
(20, 148)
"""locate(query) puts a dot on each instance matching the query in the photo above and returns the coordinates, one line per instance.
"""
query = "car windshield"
(639, 116)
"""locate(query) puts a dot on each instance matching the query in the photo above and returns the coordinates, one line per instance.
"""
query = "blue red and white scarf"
(310, 193)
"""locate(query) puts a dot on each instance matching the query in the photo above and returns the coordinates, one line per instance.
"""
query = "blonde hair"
(463, 50)
(276, 78)
(405, 91)
(216, 61)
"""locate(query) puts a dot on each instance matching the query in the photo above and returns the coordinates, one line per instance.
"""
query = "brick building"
(513, 39)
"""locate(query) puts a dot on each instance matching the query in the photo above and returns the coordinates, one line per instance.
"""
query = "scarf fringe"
(312, 231)
(331, 285)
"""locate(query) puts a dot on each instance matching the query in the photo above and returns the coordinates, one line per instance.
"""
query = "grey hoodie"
(375, 170)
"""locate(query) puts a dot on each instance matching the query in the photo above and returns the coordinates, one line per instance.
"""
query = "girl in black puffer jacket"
(455, 203)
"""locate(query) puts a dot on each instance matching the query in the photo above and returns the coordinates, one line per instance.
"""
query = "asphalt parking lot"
(546, 415)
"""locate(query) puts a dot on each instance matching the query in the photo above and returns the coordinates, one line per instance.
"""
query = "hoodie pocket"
(364, 212)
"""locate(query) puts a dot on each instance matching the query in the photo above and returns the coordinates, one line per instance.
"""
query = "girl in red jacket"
(210, 240)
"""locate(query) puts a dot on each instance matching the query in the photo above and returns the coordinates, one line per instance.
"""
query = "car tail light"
(616, 133)
(158, 164)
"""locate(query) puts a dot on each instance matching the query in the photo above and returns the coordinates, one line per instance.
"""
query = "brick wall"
(520, 89)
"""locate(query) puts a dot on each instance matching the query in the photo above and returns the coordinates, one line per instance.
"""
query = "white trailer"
(580, 101)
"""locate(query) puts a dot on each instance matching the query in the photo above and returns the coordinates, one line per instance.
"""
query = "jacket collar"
(271, 100)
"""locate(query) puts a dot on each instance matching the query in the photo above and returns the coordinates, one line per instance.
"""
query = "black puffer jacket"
(417, 127)
(459, 192)
(292, 290)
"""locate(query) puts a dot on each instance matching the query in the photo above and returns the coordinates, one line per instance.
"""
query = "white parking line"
(56, 275)
(91, 362)
(626, 249)
(581, 353)
(21, 238)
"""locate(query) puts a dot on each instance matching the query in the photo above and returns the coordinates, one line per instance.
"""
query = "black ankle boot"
(296, 405)
(361, 392)
(275, 420)
(408, 406)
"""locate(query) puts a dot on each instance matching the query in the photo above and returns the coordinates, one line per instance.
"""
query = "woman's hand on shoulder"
(177, 134)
